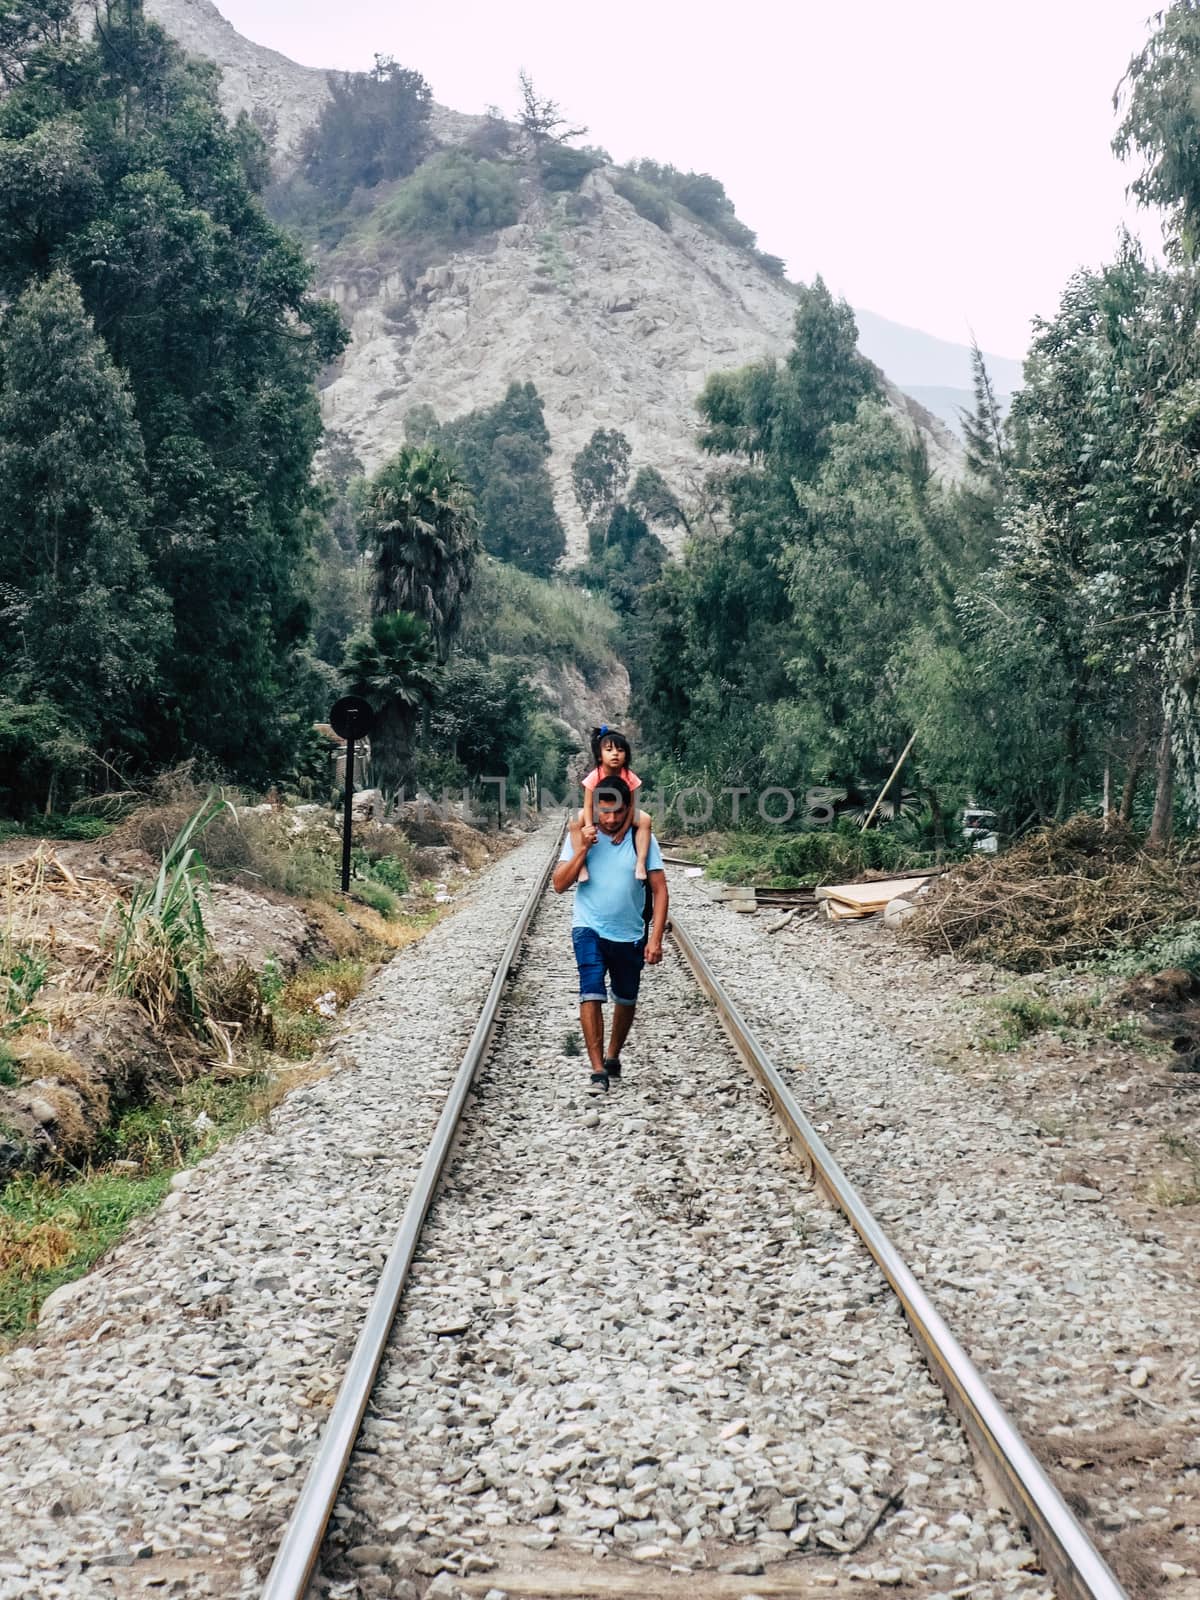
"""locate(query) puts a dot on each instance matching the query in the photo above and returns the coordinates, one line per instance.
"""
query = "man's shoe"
(598, 1083)
(612, 1066)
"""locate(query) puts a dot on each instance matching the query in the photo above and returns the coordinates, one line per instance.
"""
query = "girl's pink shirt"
(597, 773)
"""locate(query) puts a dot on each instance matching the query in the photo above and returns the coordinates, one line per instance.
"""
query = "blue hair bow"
(604, 727)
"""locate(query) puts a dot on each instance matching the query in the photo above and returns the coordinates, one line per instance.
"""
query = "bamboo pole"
(889, 783)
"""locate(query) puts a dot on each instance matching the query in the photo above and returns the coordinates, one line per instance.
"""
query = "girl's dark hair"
(604, 732)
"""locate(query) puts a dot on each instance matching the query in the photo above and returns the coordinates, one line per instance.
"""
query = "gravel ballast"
(1085, 1328)
(636, 1335)
(162, 1421)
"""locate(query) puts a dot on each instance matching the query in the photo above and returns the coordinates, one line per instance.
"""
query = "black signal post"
(353, 719)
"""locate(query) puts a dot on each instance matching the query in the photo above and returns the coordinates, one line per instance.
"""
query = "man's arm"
(658, 922)
(566, 872)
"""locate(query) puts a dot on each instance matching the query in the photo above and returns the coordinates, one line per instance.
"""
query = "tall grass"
(511, 613)
(160, 946)
(23, 967)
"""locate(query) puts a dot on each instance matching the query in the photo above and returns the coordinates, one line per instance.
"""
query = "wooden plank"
(874, 895)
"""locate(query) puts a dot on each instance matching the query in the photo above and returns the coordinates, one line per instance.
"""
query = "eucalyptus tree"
(1161, 121)
(599, 473)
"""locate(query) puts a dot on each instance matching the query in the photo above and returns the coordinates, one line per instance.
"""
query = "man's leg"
(622, 1021)
(591, 1020)
(625, 972)
(589, 958)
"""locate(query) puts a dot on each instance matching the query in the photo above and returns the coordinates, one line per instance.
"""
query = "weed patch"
(377, 897)
(73, 827)
(1181, 1189)
(308, 1002)
(160, 945)
(804, 860)
(50, 1233)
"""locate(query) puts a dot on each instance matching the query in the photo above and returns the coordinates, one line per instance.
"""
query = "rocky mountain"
(935, 372)
(617, 321)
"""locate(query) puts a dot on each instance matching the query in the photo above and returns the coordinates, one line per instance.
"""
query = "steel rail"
(1068, 1555)
(305, 1532)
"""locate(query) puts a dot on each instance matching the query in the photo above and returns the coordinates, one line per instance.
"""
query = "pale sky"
(944, 163)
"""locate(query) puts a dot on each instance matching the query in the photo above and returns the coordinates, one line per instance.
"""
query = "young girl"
(612, 755)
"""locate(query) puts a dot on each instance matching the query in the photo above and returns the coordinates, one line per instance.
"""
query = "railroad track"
(621, 1350)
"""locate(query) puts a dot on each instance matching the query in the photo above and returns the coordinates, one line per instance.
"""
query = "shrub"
(391, 873)
(377, 897)
(562, 167)
(78, 826)
(453, 196)
(647, 201)
(493, 137)
(806, 859)
(704, 197)
(1177, 947)
(160, 943)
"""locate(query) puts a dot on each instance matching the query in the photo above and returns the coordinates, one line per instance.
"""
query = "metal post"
(348, 814)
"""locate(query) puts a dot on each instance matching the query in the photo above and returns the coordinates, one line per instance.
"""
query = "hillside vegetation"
(194, 590)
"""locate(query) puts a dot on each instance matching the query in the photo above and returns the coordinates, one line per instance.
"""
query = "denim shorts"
(623, 963)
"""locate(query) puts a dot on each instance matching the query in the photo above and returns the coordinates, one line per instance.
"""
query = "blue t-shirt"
(612, 900)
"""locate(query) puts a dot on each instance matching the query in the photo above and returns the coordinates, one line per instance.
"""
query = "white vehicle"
(979, 827)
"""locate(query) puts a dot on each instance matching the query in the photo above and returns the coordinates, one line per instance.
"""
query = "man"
(608, 928)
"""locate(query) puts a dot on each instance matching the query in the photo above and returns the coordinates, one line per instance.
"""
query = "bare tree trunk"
(1164, 793)
(939, 826)
(391, 749)
(1106, 810)
(1129, 793)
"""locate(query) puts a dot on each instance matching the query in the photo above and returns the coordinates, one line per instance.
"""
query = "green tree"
(502, 452)
(730, 618)
(374, 127)
(85, 627)
(1144, 414)
(624, 560)
(856, 573)
(653, 498)
(419, 524)
(600, 472)
(117, 165)
(1162, 120)
(983, 427)
(480, 715)
(393, 665)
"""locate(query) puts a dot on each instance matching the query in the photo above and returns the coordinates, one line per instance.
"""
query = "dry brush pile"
(1065, 894)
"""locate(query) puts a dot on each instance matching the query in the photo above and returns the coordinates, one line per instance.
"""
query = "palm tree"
(421, 521)
(393, 665)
